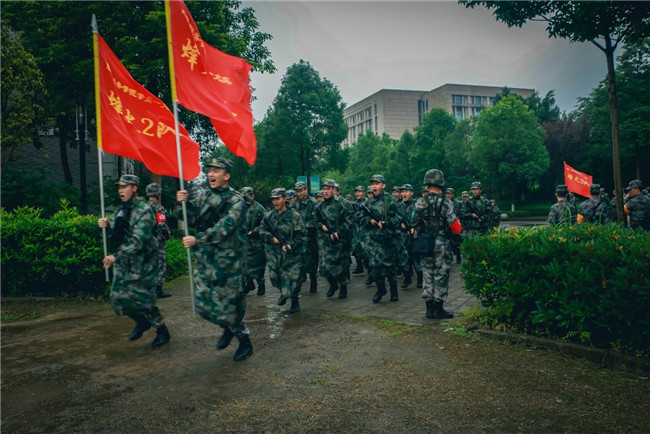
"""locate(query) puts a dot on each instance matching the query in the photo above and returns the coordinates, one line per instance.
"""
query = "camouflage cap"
(360, 188)
(635, 183)
(396, 188)
(464, 194)
(221, 163)
(153, 189)
(369, 189)
(425, 188)
(300, 185)
(378, 178)
(278, 192)
(406, 187)
(336, 186)
(247, 191)
(561, 190)
(450, 190)
(290, 194)
(594, 189)
(128, 180)
(476, 184)
(319, 193)
(329, 183)
(349, 197)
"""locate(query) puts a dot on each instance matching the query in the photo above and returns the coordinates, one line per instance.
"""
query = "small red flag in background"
(212, 83)
(577, 182)
(135, 124)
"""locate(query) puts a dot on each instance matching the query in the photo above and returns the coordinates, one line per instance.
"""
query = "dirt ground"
(67, 367)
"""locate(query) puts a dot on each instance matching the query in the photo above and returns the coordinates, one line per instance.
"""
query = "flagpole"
(100, 152)
(178, 147)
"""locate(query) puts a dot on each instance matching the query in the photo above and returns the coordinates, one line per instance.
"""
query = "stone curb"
(604, 358)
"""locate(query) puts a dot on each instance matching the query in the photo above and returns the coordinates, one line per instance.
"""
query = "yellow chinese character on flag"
(116, 103)
(191, 52)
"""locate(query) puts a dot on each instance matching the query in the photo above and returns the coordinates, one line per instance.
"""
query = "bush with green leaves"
(588, 283)
(61, 255)
(51, 256)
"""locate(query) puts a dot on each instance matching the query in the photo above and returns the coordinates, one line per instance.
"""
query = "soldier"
(133, 292)
(255, 256)
(358, 241)
(464, 195)
(369, 281)
(396, 193)
(285, 235)
(425, 190)
(562, 212)
(594, 209)
(637, 207)
(571, 198)
(319, 196)
(382, 226)
(305, 206)
(291, 198)
(162, 233)
(334, 224)
(434, 215)
(407, 212)
(477, 212)
(451, 195)
(496, 214)
(219, 245)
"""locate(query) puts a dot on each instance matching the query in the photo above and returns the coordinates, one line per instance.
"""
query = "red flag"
(211, 82)
(577, 182)
(137, 125)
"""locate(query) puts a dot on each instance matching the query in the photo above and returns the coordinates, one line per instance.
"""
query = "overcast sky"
(365, 46)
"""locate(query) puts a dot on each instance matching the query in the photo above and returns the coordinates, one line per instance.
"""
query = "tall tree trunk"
(63, 152)
(613, 105)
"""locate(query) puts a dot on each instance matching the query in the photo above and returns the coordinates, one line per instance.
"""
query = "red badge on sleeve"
(161, 217)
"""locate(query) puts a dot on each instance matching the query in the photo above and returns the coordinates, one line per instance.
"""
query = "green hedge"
(587, 283)
(61, 255)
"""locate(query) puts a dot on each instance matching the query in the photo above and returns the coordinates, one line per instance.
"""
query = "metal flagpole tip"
(93, 24)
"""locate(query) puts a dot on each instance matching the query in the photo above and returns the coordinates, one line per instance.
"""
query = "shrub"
(47, 257)
(584, 282)
(176, 259)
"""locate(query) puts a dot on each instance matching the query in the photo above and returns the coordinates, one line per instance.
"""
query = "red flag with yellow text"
(577, 182)
(211, 82)
(135, 124)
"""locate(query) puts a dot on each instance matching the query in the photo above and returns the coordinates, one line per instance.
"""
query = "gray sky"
(365, 46)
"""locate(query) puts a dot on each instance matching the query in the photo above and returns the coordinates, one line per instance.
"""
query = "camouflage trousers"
(333, 260)
(310, 257)
(135, 297)
(382, 258)
(162, 263)
(435, 270)
(255, 260)
(285, 272)
(219, 294)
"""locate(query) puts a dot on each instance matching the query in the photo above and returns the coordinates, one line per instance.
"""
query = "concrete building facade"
(393, 111)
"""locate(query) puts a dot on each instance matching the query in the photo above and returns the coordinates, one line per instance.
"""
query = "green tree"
(405, 148)
(429, 138)
(23, 96)
(606, 24)
(458, 169)
(305, 124)
(508, 147)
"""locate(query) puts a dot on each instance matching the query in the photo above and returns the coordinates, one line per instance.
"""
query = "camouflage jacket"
(562, 212)
(254, 215)
(595, 210)
(638, 209)
(338, 214)
(306, 210)
(385, 206)
(433, 215)
(482, 208)
(161, 231)
(291, 225)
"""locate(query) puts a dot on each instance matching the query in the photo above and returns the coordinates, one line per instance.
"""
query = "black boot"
(381, 291)
(369, 281)
(250, 285)
(160, 293)
(458, 258)
(245, 349)
(439, 312)
(142, 324)
(393, 291)
(313, 284)
(359, 269)
(429, 308)
(162, 337)
(343, 293)
(332, 290)
(407, 281)
(225, 338)
(261, 287)
(420, 279)
(282, 300)
(295, 306)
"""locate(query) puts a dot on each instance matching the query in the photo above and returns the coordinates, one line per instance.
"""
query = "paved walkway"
(409, 309)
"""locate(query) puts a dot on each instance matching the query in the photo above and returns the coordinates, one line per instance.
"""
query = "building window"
(492, 100)
(477, 100)
(457, 99)
(458, 112)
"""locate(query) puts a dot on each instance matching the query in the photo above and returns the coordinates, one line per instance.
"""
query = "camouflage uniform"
(382, 245)
(562, 212)
(162, 233)
(482, 208)
(255, 256)
(334, 256)
(136, 266)
(285, 269)
(220, 255)
(434, 214)
(495, 221)
(358, 236)
(310, 258)
(638, 207)
(594, 209)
